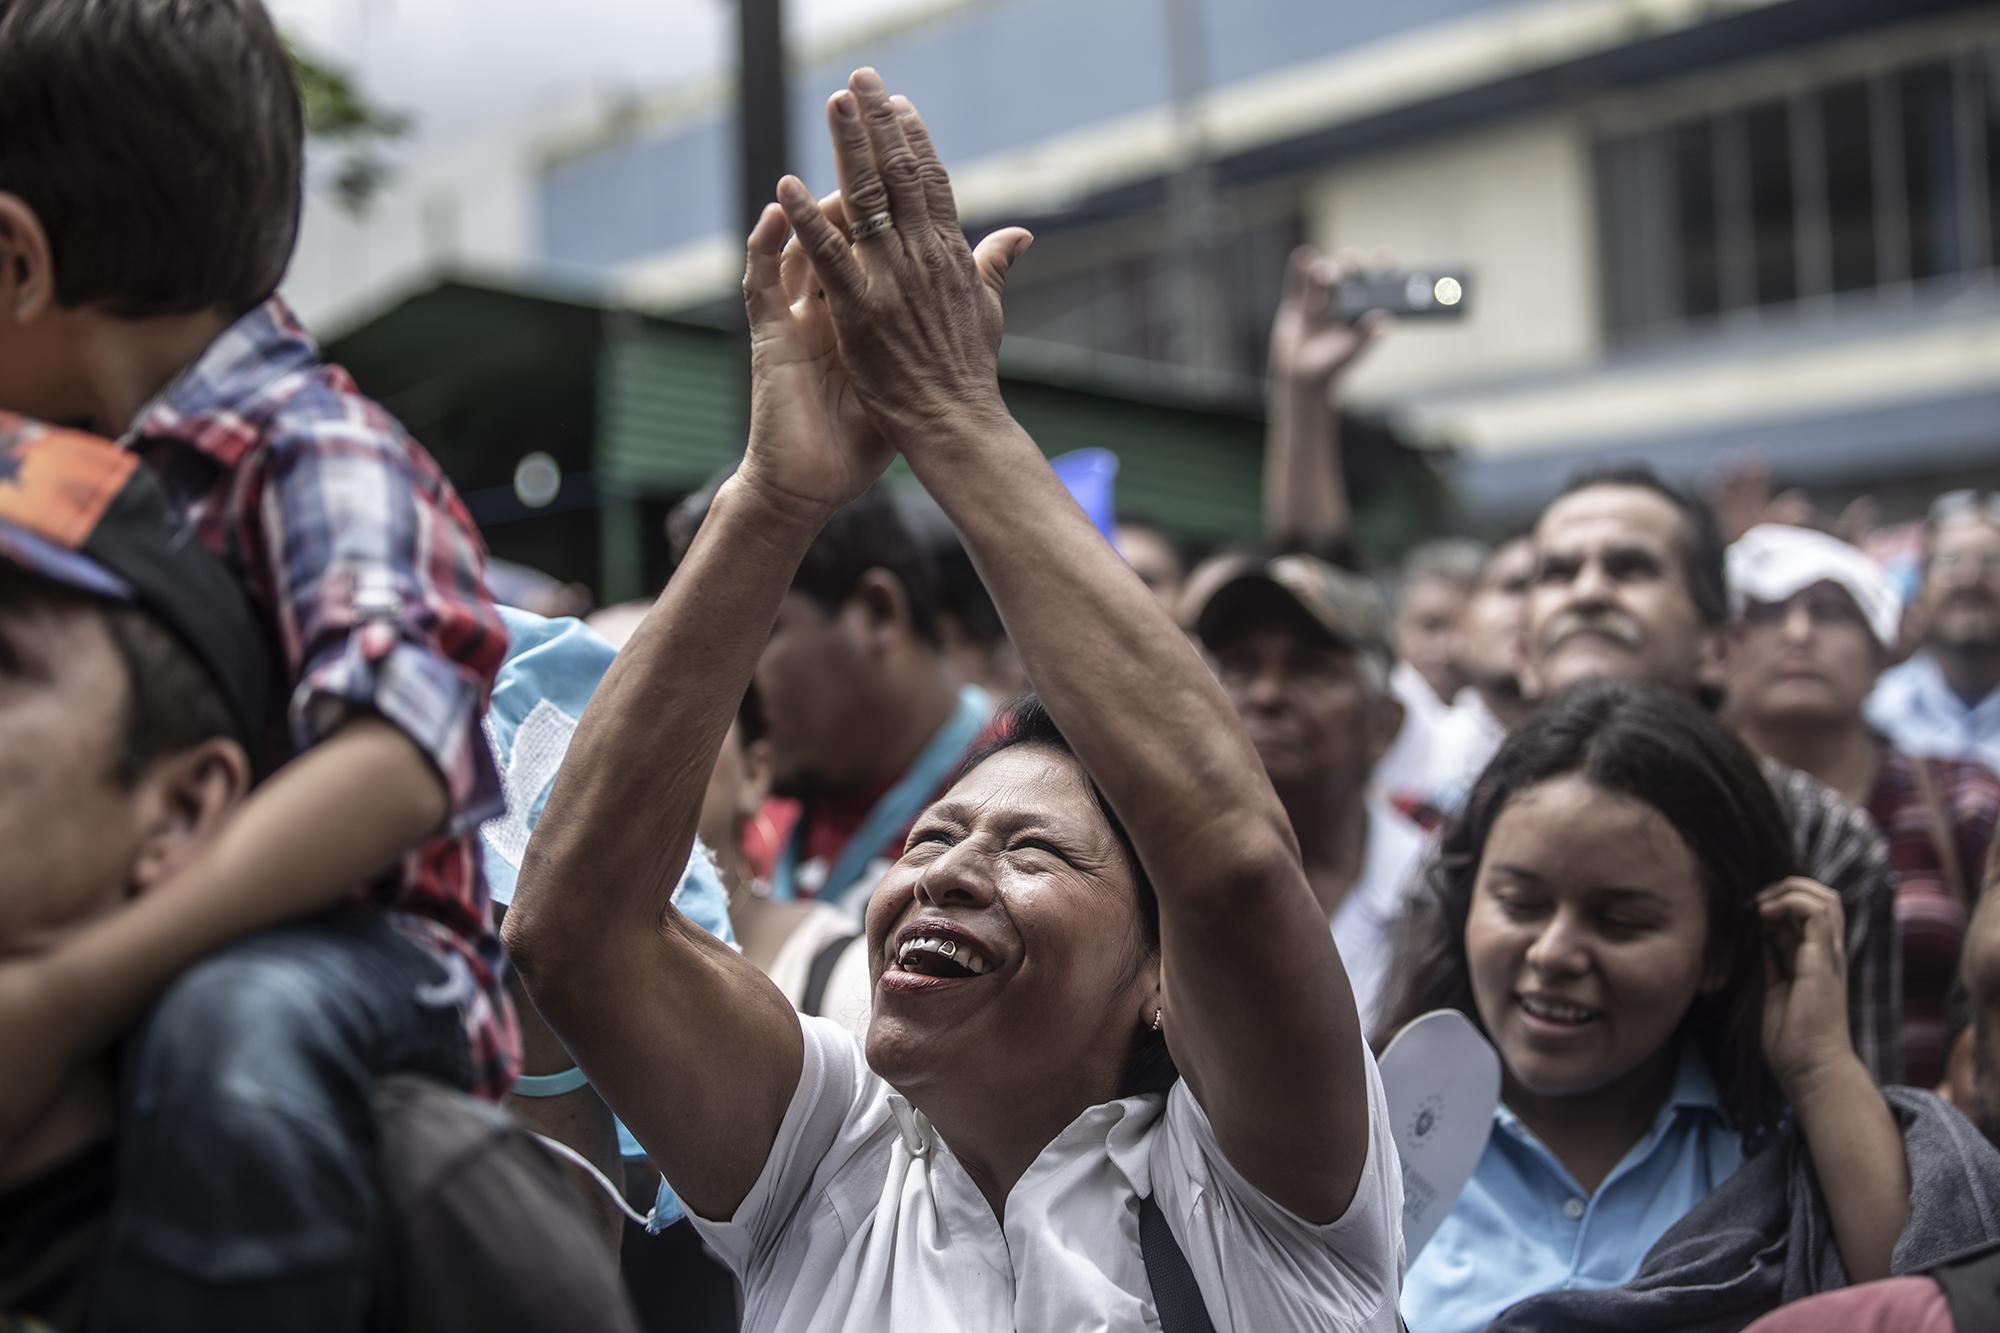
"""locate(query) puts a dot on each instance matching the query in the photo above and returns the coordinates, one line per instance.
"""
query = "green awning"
(638, 410)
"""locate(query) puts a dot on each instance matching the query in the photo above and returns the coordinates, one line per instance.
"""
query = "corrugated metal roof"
(669, 419)
(646, 409)
(1192, 471)
(670, 405)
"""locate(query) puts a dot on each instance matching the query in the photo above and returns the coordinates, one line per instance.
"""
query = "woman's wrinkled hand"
(915, 310)
(812, 445)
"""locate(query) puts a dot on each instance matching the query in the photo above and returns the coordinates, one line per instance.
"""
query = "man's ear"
(1385, 721)
(27, 265)
(755, 786)
(1711, 663)
(1881, 656)
(187, 798)
(1530, 678)
(885, 607)
(1732, 636)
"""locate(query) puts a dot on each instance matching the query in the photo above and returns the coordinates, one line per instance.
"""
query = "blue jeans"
(247, 1195)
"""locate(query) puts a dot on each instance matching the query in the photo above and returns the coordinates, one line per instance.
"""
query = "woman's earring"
(1156, 1020)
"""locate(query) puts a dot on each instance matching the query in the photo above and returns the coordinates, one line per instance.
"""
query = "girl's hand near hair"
(1805, 984)
(1857, 1151)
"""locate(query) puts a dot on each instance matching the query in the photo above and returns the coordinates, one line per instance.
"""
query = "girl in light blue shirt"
(1617, 911)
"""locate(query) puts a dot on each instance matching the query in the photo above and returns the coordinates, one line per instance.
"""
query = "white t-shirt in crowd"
(1407, 766)
(1462, 744)
(863, 1221)
(1365, 923)
(848, 994)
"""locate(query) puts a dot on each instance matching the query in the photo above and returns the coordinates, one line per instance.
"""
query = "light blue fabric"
(550, 1085)
(1921, 715)
(1524, 1226)
(551, 670)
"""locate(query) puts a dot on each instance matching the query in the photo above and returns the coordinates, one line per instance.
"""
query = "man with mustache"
(1945, 701)
(1629, 585)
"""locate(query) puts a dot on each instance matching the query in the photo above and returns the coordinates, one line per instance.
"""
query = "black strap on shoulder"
(820, 974)
(1176, 1295)
(1971, 1283)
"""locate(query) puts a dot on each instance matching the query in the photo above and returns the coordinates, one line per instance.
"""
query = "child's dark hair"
(1024, 721)
(1661, 749)
(159, 142)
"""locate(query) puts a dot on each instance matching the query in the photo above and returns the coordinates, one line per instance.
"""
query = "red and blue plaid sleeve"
(375, 579)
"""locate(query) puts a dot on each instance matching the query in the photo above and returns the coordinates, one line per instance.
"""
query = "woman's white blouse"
(863, 1221)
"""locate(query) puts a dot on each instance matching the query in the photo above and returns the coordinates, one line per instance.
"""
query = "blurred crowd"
(947, 904)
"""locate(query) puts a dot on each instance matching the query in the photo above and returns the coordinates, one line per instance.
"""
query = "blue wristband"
(550, 1085)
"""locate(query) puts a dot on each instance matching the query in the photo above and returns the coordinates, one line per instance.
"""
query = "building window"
(1888, 180)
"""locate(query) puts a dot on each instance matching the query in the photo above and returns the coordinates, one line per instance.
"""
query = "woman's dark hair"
(1661, 749)
(1024, 721)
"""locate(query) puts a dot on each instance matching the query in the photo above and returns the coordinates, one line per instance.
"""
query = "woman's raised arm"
(1258, 1012)
(690, 1044)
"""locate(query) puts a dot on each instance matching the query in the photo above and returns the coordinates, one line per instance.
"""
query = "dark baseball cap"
(79, 511)
(1346, 606)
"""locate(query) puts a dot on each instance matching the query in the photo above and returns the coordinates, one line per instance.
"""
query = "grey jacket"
(1763, 1238)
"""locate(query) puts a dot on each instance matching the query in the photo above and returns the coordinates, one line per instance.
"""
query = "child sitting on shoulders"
(338, 929)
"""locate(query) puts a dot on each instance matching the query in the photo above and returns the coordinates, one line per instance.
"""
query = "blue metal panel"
(996, 77)
(990, 78)
(1244, 40)
(638, 198)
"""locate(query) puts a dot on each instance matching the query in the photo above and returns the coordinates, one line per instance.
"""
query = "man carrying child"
(337, 928)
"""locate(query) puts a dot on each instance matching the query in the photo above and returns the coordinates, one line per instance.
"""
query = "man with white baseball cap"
(1814, 620)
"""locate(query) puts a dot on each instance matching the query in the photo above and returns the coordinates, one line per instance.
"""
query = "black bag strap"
(820, 975)
(1176, 1295)
(1971, 1283)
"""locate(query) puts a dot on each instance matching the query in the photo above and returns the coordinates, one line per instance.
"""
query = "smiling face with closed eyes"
(1007, 946)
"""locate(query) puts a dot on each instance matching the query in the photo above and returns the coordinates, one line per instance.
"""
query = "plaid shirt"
(368, 572)
(1938, 849)
(1839, 846)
